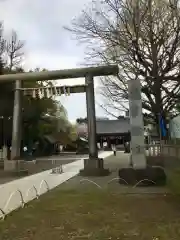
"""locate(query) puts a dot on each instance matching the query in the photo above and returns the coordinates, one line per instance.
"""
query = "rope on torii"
(48, 92)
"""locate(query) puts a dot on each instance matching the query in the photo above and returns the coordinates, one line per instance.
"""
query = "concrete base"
(15, 167)
(10, 165)
(151, 175)
(94, 167)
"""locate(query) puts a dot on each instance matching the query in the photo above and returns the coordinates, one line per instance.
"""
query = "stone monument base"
(94, 167)
(150, 176)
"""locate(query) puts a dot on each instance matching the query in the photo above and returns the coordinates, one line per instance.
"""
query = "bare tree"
(2, 48)
(143, 38)
(14, 51)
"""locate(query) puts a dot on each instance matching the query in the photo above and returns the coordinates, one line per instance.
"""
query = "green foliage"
(81, 120)
(34, 125)
(177, 108)
(72, 132)
(39, 116)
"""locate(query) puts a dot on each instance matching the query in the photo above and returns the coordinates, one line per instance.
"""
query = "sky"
(48, 45)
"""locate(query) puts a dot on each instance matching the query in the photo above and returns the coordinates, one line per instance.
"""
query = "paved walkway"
(28, 186)
(111, 182)
(42, 164)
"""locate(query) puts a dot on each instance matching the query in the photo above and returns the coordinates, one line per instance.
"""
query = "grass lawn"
(174, 181)
(94, 214)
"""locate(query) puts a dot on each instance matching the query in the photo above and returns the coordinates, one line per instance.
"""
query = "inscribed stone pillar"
(136, 125)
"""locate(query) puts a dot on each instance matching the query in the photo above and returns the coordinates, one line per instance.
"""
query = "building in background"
(108, 131)
(113, 132)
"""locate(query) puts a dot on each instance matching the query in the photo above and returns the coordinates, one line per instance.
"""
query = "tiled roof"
(113, 126)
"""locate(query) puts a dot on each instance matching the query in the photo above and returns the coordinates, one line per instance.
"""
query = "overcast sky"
(40, 23)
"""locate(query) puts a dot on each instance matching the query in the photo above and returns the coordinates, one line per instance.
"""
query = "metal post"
(160, 133)
(91, 116)
(2, 136)
(16, 133)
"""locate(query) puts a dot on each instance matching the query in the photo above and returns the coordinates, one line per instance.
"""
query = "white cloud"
(40, 23)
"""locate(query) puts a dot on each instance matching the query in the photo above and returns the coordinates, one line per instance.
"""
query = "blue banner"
(162, 127)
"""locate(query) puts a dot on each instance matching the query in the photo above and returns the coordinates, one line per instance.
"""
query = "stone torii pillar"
(93, 165)
(16, 128)
(91, 117)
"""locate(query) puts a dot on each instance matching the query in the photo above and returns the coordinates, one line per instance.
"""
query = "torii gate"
(93, 165)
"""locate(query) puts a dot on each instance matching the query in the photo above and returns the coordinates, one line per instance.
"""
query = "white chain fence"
(134, 186)
(24, 200)
(22, 197)
(37, 192)
(34, 192)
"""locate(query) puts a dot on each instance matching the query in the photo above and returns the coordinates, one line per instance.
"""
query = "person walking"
(114, 149)
(25, 151)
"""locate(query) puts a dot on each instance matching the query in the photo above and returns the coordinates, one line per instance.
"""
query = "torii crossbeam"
(92, 165)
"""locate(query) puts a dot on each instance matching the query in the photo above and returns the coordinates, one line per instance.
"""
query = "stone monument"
(136, 125)
(138, 172)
